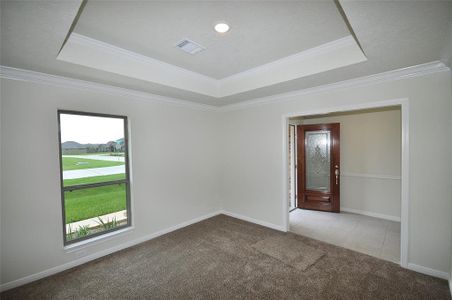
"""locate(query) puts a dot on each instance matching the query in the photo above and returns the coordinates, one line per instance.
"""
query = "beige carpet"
(225, 258)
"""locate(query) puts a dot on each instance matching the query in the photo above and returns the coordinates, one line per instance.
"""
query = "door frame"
(295, 167)
(403, 103)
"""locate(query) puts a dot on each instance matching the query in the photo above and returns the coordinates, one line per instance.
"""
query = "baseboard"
(450, 286)
(83, 260)
(428, 271)
(252, 220)
(371, 214)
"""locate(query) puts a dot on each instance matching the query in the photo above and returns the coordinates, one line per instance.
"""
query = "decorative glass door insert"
(318, 167)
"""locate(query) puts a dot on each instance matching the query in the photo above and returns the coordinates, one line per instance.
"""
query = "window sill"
(96, 240)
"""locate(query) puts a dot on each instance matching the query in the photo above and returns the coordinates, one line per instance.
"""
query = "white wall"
(252, 164)
(1, 209)
(450, 61)
(370, 148)
(173, 167)
(449, 50)
(188, 163)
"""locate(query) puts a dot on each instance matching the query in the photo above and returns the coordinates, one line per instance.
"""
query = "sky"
(90, 129)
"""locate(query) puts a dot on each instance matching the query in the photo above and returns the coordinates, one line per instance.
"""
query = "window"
(94, 166)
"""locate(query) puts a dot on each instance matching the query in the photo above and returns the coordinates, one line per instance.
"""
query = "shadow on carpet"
(290, 251)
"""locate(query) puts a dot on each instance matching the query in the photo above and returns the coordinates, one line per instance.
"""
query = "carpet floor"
(226, 258)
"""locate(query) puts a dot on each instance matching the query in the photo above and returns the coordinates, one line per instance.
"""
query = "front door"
(318, 167)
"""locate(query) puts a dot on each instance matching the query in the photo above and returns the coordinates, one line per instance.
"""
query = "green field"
(92, 202)
(94, 179)
(75, 163)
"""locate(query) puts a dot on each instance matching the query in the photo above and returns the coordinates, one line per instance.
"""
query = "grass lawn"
(89, 203)
(93, 179)
(75, 163)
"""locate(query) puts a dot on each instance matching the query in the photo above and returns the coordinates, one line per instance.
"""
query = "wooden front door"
(318, 167)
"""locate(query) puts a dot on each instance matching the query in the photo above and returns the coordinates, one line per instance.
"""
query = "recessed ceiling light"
(221, 27)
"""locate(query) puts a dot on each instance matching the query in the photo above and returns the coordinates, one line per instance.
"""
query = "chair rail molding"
(372, 176)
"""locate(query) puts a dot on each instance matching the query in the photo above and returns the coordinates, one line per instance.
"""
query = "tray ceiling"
(392, 35)
(261, 31)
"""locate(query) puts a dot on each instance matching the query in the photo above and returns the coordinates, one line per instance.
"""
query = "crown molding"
(303, 55)
(43, 78)
(60, 81)
(397, 74)
(82, 39)
(89, 52)
(329, 56)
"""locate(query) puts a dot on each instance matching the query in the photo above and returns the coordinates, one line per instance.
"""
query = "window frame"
(125, 181)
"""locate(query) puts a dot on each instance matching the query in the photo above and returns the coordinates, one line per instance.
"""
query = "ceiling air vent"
(189, 46)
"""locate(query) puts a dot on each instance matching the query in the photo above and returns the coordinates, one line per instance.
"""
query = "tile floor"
(372, 236)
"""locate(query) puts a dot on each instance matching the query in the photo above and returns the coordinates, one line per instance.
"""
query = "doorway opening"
(369, 213)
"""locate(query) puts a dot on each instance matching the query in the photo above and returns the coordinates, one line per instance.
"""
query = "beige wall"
(173, 171)
(189, 163)
(450, 272)
(252, 158)
(370, 160)
(1, 167)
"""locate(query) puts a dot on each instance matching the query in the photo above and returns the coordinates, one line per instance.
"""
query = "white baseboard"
(450, 286)
(83, 260)
(428, 271)
(371, 214)
(255, 221)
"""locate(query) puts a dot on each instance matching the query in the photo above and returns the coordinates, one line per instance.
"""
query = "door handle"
(336, 172)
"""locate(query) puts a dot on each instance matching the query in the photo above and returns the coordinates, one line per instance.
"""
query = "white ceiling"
(260, 32)
(392, 34)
